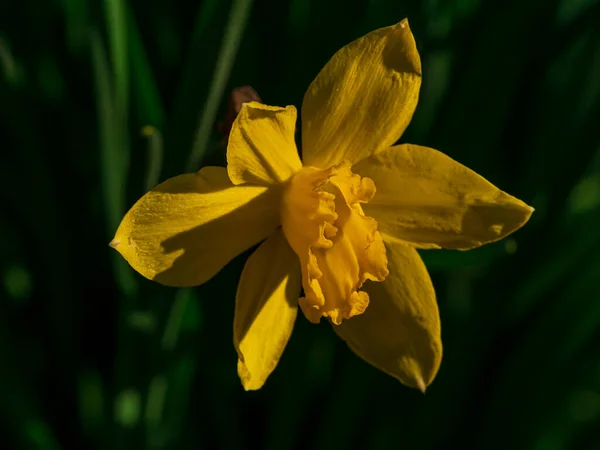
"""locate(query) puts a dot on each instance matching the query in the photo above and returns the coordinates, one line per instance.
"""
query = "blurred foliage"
(101, 98)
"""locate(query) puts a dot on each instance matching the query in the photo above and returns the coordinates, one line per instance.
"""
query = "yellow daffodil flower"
(343, 223)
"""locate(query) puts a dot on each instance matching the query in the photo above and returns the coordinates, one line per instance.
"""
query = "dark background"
(93, 356)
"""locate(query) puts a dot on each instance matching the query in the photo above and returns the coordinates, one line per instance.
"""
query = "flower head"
(343, 223)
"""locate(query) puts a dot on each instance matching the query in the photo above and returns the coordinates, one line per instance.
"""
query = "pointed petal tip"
(529, 210)
(248, 382)
(403, 27)
(250, 385)
(421, 384)
(114, 243)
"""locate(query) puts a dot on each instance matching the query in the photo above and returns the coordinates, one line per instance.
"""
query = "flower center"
(338, 246)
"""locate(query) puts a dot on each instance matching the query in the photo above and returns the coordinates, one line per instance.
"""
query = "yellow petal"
(266, 306)
(186, 229)
(261, 148)
(428, 200)
(399, 333)
(363, 99)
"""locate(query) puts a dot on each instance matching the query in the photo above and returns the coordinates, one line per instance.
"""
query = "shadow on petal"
(399, 332)
(221, 239)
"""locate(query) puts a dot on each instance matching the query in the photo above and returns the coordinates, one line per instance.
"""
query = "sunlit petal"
(363, 99)
(261, 148)
(186, 229)
(428, 200)
(265, 309)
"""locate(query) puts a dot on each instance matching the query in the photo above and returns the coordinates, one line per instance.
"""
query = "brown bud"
(238, 97)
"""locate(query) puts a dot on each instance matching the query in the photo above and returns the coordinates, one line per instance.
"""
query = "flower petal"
(363, 99)
(186, 229)
(399, 332)
(428, 200)
(261, 148)
(266, 306)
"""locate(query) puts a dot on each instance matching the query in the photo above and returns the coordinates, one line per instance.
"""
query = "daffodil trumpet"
(344, 223)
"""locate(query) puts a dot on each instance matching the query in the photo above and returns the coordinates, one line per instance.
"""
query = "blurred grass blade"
(117, 35)
(116, 28)
(194, 82)
(155, 156)
(8, 64)
(40, 435)
(112, 170)
(127, 408)
(145, 95)
(229, 46)
(91, 402)
(180, 376)
(111, 166)
(175, 319)
(76, 15)
(156, 401)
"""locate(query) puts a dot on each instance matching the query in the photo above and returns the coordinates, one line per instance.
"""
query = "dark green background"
(93, 356)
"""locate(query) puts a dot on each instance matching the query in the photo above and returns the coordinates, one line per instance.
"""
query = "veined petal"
(399, 333)
(186, 229)
(428, 200)
(261, 148)
(363, 99)
(266, 306)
